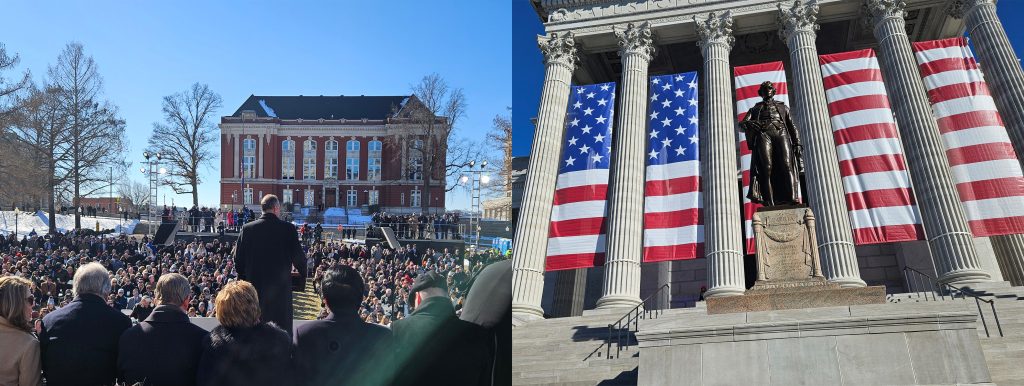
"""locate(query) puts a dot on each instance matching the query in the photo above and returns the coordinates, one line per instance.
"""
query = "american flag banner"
(748, 80)
(871, 161)
(673, 222)
(576, 236)
(981, 157)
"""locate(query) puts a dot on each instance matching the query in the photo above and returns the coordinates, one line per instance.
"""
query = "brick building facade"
(325, 151)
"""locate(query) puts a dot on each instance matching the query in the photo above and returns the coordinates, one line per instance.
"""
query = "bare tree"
(95, 131)
(134, 195)
(42, 131)
(185, 137)
(10, 90)
(434, 154)
(500, 137)
(11, 99)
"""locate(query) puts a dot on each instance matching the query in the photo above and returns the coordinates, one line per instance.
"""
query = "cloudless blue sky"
(146, 50)
(529, 68)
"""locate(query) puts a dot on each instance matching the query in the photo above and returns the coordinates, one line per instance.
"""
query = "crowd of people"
(51, 270)
(420, 226)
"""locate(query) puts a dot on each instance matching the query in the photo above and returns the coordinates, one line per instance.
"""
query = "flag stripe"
(878, 190)
(981, 158)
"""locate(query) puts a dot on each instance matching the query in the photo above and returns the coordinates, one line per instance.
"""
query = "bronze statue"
(775, 162)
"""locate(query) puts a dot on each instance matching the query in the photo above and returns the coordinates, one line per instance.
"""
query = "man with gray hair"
(79, 340)
(163, 349)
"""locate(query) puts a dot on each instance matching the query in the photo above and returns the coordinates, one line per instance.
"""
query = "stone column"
(1005, 79)
(949, 237)
(810, 111)
(531, 237)
(238, 156)
(626, 186)
(723, 239)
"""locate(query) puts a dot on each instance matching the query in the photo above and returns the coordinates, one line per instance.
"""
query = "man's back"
(342, 350)
(79, 342)
(267, 249)
(433, 341)
(162, 350)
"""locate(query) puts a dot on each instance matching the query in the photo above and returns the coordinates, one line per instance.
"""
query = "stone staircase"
(571, 351)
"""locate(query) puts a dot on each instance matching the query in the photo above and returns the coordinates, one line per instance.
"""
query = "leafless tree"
(11, 99)
(10, 90)
(42, 131)
(434, 154)
(186, 136)
(500, 137)
(134, 195)
(95, 131)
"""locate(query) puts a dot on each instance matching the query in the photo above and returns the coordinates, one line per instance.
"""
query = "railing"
(922, 284)
(622, 331)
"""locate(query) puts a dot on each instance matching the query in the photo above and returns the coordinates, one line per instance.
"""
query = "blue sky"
(146, 50)
(529, 73)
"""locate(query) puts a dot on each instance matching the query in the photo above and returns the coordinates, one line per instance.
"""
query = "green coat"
(432, 346)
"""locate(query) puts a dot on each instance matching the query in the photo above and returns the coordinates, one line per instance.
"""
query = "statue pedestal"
(788, 270)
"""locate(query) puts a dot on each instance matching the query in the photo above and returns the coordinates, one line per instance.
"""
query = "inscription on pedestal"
(787, 250)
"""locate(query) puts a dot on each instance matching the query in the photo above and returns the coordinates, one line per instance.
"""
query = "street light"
(17, 212)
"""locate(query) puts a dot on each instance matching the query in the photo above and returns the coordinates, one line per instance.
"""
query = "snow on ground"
(28, 221)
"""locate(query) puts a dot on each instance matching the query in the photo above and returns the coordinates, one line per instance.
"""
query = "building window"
(416, 163)
(248, 196)
(331, 159)
(309, 160)
(353, 198)
(414, 199)
(249, 158)
(373, 168)
(287, 196)
(352, 160)
(288, 159)
(374, 198)
(309, 198)
(401, 201)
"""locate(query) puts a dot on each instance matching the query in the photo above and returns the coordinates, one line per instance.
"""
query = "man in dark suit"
(79, 341)
(165, 348)
(268, 250)
(432, 345)
(342, 349)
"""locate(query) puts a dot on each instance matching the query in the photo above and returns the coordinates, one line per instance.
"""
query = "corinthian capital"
(802, 16)
(960, 8)
(636, 39)
(558, 49)
(715, 30)
(885, 9)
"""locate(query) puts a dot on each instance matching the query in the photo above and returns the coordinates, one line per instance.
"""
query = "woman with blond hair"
(19, 358)
(242, 350)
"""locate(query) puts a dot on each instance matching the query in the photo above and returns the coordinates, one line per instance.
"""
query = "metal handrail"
(632, 318)
(922, 280)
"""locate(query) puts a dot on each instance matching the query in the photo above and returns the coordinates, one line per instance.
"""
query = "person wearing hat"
(430, 342)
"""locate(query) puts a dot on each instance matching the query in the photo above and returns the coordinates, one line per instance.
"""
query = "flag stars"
(654, 97)
(570, 161)
(591, 95)
(680, 111)
(601, 119)
(575, 122)
(680, 130)
(666, 86)
(667, 142)
(694, 138)
(693, 120)
(679, 93)
(579, 90)
(602, 102)
(693, 83)
(653, 154)
(577, 105)
(680, 150)
(597, 157)
(584, 149)
(679, 78)
(586, 129)
(604, 87)
(588, 111)
(666, 122)
(654, 133)
(666, 103)
(656, 81)
(599, 137)
(693, 101)
(654, 115)
(572, 141)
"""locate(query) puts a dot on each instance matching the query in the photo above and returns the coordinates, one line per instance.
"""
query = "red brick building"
(325, 151)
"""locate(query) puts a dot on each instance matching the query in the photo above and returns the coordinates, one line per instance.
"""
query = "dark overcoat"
(432, 341)
(342, 350)
(164, 349)
(79, 342)
(267, 250)
(254, 356)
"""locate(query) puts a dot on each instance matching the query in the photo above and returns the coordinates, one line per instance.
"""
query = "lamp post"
(478, 179)
(153, 171)
(17, 212)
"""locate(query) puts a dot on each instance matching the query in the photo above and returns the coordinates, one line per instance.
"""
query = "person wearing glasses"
(19, 358)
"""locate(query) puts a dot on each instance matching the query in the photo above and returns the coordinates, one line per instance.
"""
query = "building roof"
(326, 107)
